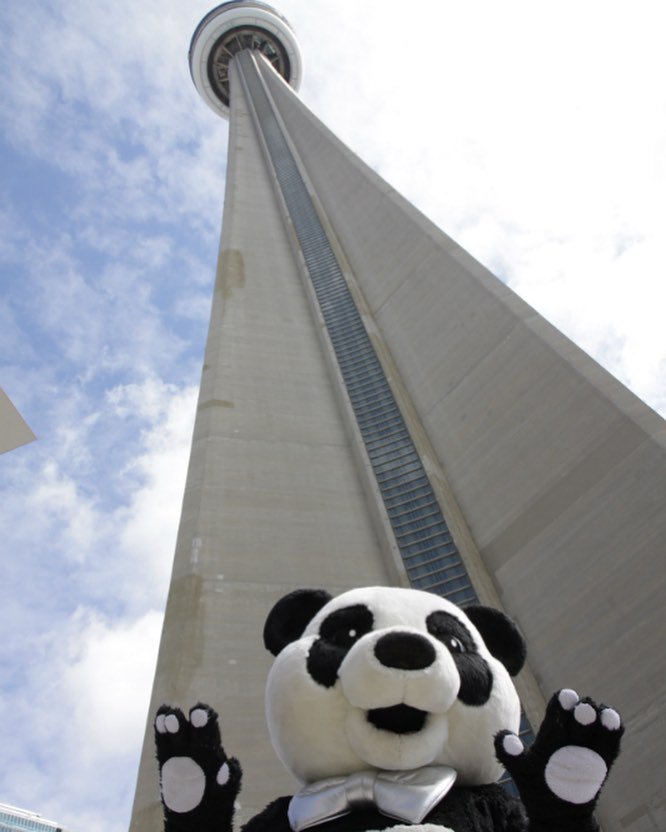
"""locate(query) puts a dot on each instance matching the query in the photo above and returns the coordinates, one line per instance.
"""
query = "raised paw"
(198, 782)
(563, 771)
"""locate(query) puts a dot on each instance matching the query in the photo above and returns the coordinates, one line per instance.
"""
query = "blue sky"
(534, 134)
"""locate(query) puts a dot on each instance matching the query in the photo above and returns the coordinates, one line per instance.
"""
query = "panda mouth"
(398, 719)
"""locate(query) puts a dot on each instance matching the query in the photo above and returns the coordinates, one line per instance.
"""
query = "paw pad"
(513, 745)
(610, 719)
(171, 723)
(568, 699)
(575, 774)
(198, 717)
(584, 713)
(223, 775)
(183, 784)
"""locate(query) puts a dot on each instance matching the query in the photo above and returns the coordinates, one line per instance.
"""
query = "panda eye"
(451, 632)
(344, 627)
(344, 637)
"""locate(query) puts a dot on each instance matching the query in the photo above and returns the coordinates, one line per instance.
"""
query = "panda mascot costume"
(396, 710)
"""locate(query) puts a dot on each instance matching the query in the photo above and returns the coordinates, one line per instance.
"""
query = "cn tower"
(377, 408)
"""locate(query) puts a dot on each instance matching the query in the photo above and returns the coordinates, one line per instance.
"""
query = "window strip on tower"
(429, 555)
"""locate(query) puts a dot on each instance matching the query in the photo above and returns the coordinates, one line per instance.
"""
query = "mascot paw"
(563, 771)
(198, 782)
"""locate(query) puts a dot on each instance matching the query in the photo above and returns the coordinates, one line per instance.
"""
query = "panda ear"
(291, 615)
(501, 636)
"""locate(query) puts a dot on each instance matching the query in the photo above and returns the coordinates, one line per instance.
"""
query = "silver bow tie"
(403, 795)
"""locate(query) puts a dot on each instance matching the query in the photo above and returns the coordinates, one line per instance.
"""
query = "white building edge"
(13, 819)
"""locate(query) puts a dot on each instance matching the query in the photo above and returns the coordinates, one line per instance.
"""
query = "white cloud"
(107, 683)
(113, 108)
(538, 145)
(149, 524)
(86, 621)
(72, 734)
(118, 550)
(57, 503)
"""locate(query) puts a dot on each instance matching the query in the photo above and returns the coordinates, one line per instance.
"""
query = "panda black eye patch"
(451, 632)
(476, 679)
(337, 634)
(343, 627)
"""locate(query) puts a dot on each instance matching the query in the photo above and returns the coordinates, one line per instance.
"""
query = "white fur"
(322, 732)
(381, 749)
(421, 827)
(304, 718)
(472, 730)
(367, 683)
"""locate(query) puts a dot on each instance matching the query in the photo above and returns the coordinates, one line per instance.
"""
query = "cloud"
(70, 515)
(543, 156)
(78, 720)
(111, 539)
(150, 522)
(107, 681)
(78, 661)
(110, 110)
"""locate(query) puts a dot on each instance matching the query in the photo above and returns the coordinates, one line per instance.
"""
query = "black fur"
(337, 633)
(501, 636)
(465, 809)
(204, 746)
(549, 813)
(476, 679)
(324, 661)
(290, 616)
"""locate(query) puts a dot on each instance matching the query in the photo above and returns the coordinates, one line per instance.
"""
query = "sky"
(532, 133)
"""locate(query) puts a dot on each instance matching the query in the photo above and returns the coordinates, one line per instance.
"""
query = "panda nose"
(405, 651)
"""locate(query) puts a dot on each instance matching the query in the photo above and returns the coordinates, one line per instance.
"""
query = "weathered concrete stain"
(185, 646)
(215, 403)
(230, 272)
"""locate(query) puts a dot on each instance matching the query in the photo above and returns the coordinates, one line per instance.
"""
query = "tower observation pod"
(376, 408)
(229, 29)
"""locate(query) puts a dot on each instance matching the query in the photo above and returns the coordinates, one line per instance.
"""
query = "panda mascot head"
(391, 679)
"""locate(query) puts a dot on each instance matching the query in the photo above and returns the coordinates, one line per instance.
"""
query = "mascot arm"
(198, 782)
(560, 776)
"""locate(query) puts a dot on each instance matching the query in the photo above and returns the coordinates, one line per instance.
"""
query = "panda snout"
(405, 651)
(399, 666)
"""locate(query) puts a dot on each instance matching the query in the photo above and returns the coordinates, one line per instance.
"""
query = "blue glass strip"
(430, 557)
